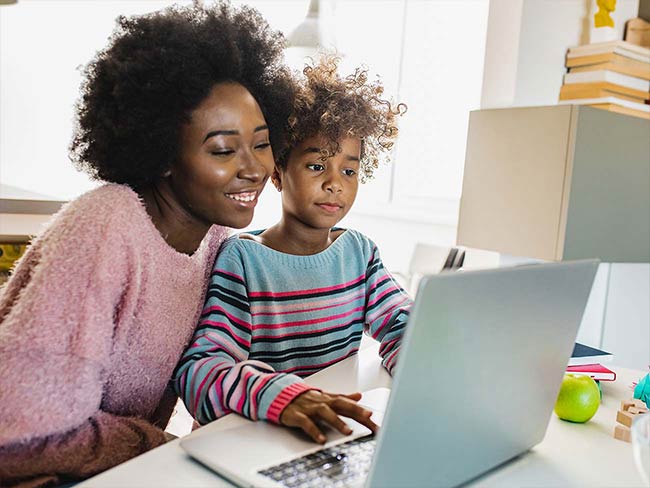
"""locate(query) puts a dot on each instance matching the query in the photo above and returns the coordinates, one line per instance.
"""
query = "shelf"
(24, 213)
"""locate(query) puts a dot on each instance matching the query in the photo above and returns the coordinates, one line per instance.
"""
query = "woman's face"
(225, 158)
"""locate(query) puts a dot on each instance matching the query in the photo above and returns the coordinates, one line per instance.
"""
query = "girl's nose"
(333, 184)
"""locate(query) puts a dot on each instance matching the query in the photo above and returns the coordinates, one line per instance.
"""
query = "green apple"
(579, 398)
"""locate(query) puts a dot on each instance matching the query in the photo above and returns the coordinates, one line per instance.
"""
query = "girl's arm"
(214, 376)
(56, 328)
(387, 310)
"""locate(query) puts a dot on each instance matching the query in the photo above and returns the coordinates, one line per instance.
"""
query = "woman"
(179, 114)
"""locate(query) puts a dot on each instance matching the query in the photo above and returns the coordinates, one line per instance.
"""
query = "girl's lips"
(329, 207)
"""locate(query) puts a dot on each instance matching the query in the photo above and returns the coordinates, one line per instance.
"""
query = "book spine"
(610, 46)
(642, 57)
(639, 72)
(601, 76)
(598, 90)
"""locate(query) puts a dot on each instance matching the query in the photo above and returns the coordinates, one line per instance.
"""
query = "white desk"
(571, 454)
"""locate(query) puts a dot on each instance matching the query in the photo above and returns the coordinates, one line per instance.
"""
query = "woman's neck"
(180, 229)
(296, 238)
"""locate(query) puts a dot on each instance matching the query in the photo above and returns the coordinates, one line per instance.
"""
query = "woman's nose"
(253, 168)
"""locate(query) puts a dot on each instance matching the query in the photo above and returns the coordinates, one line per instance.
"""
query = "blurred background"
(443, 58)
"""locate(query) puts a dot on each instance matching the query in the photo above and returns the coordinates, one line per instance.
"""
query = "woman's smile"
(246, 198)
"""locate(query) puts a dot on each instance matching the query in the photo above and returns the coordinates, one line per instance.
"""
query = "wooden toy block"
(637, 411)
(623, 433)
(632, 402)
(625, 418)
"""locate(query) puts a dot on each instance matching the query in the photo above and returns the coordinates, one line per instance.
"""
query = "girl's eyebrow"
(232, 132)
(348, 157)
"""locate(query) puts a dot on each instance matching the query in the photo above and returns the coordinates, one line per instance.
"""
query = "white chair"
(429, 259)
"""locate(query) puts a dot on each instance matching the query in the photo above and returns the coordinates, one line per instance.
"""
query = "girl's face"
(319, 193)
(225, 158)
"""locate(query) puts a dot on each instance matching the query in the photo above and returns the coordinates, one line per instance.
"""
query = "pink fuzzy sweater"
(92, 323)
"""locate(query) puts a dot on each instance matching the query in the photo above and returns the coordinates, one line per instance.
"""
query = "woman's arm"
(57, 322)
(387, 310)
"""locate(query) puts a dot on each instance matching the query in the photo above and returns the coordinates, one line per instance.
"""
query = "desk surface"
(570, 454)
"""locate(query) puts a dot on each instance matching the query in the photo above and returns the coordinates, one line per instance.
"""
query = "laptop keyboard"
(337, 466)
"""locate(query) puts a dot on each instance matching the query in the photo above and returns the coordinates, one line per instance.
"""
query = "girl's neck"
(297, 239)
(181, 230)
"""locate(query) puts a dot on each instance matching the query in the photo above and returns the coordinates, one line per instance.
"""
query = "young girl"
(288, 301)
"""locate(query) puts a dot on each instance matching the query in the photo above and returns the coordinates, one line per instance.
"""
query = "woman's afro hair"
(335, 108)
(157, 68)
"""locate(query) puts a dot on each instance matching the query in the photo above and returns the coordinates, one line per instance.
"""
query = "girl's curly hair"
(336, 108)
(156, 70)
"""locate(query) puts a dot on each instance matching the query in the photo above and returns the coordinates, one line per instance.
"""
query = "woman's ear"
(276, 179)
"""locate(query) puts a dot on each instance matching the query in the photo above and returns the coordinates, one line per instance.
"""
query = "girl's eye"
(263, 145)
(316, 167)
(349, 172)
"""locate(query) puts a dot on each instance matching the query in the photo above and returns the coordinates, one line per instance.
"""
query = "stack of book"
(613, 76)
(587, 360)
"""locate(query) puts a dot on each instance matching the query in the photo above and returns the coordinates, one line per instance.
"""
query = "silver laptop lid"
(479, 371)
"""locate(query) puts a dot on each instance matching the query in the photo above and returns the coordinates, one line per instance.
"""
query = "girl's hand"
(312, 406)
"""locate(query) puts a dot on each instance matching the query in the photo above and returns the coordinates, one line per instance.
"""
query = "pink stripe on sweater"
(382, 294)
(387, 307)
(246, 376)
(228, 273)
(302, 307)
(217, 308)
(298, 334)
(256, 294)
(301, 323)
(201, 385)
(242, 342)
(257, 388)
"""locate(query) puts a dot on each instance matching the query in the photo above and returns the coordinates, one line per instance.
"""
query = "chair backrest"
(432, 259)
(455, 259)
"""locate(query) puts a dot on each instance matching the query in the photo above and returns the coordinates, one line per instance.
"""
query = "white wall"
(424, 56)
(42, 45)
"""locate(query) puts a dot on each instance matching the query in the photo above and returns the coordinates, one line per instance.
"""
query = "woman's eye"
(263, 145)
(349, 172)
(316, 167)
(222, 152)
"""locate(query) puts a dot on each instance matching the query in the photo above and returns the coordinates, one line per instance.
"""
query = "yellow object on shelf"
(9, 254)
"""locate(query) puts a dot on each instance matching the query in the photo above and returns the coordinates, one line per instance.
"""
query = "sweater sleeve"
(215, 375)
(387, 310)
(57, 320)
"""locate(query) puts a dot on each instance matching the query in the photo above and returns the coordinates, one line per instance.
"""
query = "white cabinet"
(568, 182)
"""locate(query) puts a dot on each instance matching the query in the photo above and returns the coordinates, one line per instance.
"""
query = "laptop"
(480, 368)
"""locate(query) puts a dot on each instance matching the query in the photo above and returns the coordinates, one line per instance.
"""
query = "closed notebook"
(596, 371)
(588, 355)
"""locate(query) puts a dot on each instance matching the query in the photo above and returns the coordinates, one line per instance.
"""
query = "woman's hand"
(313, 406)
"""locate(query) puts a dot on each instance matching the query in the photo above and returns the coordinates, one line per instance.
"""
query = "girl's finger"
(303, 422)
(325, 413)
(354, 411)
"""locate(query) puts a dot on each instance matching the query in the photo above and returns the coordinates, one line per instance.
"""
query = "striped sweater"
(271, 318)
